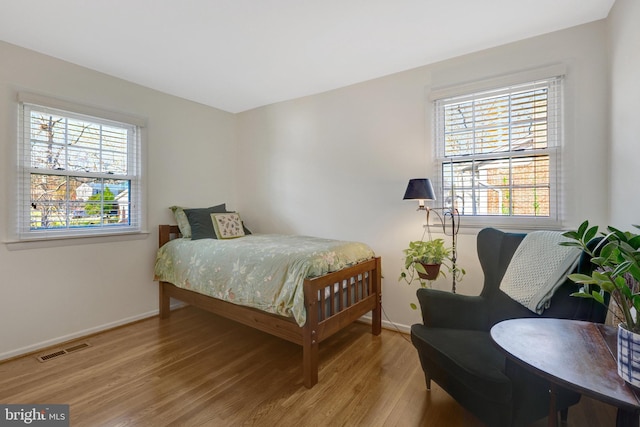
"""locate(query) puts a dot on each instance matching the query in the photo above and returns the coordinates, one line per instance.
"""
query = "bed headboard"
(168, 232)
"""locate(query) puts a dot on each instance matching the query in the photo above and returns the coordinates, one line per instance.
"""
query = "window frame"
(554, 151)
(135, 172)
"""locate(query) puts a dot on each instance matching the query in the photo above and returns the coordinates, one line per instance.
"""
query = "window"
(79, 173)
(498, 152)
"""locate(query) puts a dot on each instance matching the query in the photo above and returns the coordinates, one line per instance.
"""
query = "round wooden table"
(579, 356)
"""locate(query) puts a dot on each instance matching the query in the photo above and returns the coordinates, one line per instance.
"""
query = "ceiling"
(236, 55)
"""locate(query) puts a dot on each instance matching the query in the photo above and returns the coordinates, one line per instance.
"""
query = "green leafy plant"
(421, 253)
(618, 257)
(429, 252)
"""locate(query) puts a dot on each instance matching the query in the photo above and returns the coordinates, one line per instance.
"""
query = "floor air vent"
(62, 352)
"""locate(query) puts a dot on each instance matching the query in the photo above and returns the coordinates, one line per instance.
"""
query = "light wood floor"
(198, 369)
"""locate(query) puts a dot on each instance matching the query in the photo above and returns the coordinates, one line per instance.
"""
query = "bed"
(330, 303)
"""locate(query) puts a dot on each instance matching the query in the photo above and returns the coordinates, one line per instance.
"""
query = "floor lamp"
(421, 189)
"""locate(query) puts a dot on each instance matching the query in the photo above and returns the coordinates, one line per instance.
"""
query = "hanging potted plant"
(617, 256)
(422, 260)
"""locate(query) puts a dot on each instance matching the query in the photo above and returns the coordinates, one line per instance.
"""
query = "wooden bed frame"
(335, 307)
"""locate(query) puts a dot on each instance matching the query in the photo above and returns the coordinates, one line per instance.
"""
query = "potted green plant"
(617, 257)
(422, 260)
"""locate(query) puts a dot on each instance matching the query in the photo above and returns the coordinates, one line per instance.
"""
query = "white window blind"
(498, 151)
(79, 175)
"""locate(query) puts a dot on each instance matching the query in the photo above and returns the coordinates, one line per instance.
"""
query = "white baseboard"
(83, 333)
(396, 327)
(386, 324)
(86, 332)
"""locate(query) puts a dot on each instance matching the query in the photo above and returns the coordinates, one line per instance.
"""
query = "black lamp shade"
(419, 189)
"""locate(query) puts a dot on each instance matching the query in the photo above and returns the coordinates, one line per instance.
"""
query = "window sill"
(16, 245)
(471, 225)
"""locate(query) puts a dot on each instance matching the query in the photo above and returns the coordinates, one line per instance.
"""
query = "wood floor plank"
(198, 369)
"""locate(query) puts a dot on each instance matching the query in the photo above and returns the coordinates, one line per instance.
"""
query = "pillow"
(227, 225)
(199, 221)
(181, 219)
(245, 229)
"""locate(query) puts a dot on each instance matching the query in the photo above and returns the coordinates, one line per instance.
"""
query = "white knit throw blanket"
(538, 267)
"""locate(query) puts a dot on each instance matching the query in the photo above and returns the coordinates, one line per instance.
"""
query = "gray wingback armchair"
(457, 352)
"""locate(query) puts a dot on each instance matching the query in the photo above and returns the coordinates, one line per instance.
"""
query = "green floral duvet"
(264, 271)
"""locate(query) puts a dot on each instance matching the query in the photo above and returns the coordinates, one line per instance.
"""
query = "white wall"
(56, 293)
(336, 164)
(624, 48)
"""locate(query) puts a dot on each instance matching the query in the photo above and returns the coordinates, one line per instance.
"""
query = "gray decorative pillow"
(183, 221)
(201, 223)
